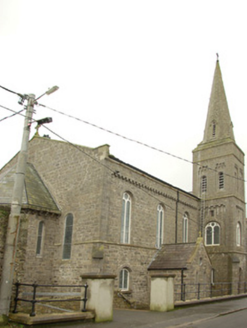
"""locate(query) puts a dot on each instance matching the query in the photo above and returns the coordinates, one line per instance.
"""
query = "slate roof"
(36, 196)
(173, 257)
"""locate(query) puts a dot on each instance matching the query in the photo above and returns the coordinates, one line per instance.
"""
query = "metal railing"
(184, 292)
(34, 294)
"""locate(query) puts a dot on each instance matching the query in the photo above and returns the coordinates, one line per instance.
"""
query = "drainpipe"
(176, 219)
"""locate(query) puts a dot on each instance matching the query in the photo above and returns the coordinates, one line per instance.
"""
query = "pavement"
(180, 317)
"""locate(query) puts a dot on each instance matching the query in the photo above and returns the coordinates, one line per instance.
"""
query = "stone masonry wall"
(39, 268)
(3, 228)
(145, 200)
(136, 260)
(92, 192)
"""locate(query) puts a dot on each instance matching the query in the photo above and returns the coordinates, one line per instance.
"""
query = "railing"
(185, 292)
(34, 293)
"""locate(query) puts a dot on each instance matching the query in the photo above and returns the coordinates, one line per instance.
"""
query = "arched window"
(238, 234)
(160, 224)
(68, 236)
(40, 238)
(185, 228)
(212, 234)
(125, 219)
(221, 180)
(124, 280)
(204, 183)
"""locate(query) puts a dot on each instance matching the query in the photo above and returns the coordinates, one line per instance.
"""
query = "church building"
(218, 180)
(86, 211)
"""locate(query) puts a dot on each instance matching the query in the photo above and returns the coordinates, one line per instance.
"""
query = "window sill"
(212, 245)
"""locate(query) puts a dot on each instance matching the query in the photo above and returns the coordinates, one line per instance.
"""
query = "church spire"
(218, 125)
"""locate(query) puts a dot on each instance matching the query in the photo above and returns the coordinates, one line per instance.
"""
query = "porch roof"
(173, 257)
(36, 195)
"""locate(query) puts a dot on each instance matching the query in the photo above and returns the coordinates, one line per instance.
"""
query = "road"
(230, 320)
(225, 314)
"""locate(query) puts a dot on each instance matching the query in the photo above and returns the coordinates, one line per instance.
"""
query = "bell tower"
(218, 180)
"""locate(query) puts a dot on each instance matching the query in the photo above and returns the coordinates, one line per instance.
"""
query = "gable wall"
(75, 181)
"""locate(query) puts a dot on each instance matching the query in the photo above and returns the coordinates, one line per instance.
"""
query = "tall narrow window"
(40, 238)
(238, 234)
(212, 234)
(185, 228)
(212, 276)
(124, 280)
(68, 236)
(214, 129)
(221, 180)
(125, 219)
(204, 183)
(160, 223)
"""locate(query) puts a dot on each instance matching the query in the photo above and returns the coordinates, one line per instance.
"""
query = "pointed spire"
(218, 125)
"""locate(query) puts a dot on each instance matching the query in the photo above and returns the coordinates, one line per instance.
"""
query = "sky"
(140, 69)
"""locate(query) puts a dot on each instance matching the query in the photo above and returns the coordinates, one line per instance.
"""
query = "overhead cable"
(6, 89)
(15, 113)
(136, 141)
(113, 172)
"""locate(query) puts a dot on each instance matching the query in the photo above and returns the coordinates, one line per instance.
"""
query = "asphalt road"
(226, 314)
(231, 320)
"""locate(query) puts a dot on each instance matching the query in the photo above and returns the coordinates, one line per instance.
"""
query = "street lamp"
(15, 211)
(49, 91)
(41, 122)
(44, 120)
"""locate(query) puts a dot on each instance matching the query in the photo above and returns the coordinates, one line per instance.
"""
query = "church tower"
(218, 180)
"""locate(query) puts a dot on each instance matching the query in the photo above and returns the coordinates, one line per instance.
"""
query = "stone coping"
(162, 275)
(209, 300)
(25, 318)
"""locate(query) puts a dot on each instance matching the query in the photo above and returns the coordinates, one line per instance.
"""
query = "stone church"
(86, 211)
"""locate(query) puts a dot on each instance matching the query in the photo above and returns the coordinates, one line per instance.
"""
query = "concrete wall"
(100, 295)
(162, 292)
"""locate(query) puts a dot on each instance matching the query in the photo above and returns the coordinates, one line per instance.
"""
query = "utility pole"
(14, 217)
(15, 210)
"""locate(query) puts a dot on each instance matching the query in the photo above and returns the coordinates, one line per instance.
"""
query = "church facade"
(86, 211)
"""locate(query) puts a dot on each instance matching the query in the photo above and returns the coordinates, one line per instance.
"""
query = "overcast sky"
(142, 69)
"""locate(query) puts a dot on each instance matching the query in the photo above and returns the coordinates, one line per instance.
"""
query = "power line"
(106, 130)
(78, 148)
(11, 91)
(117, 134)
(15, 113)
(113, 172)
(121, 136)
(136, 141)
